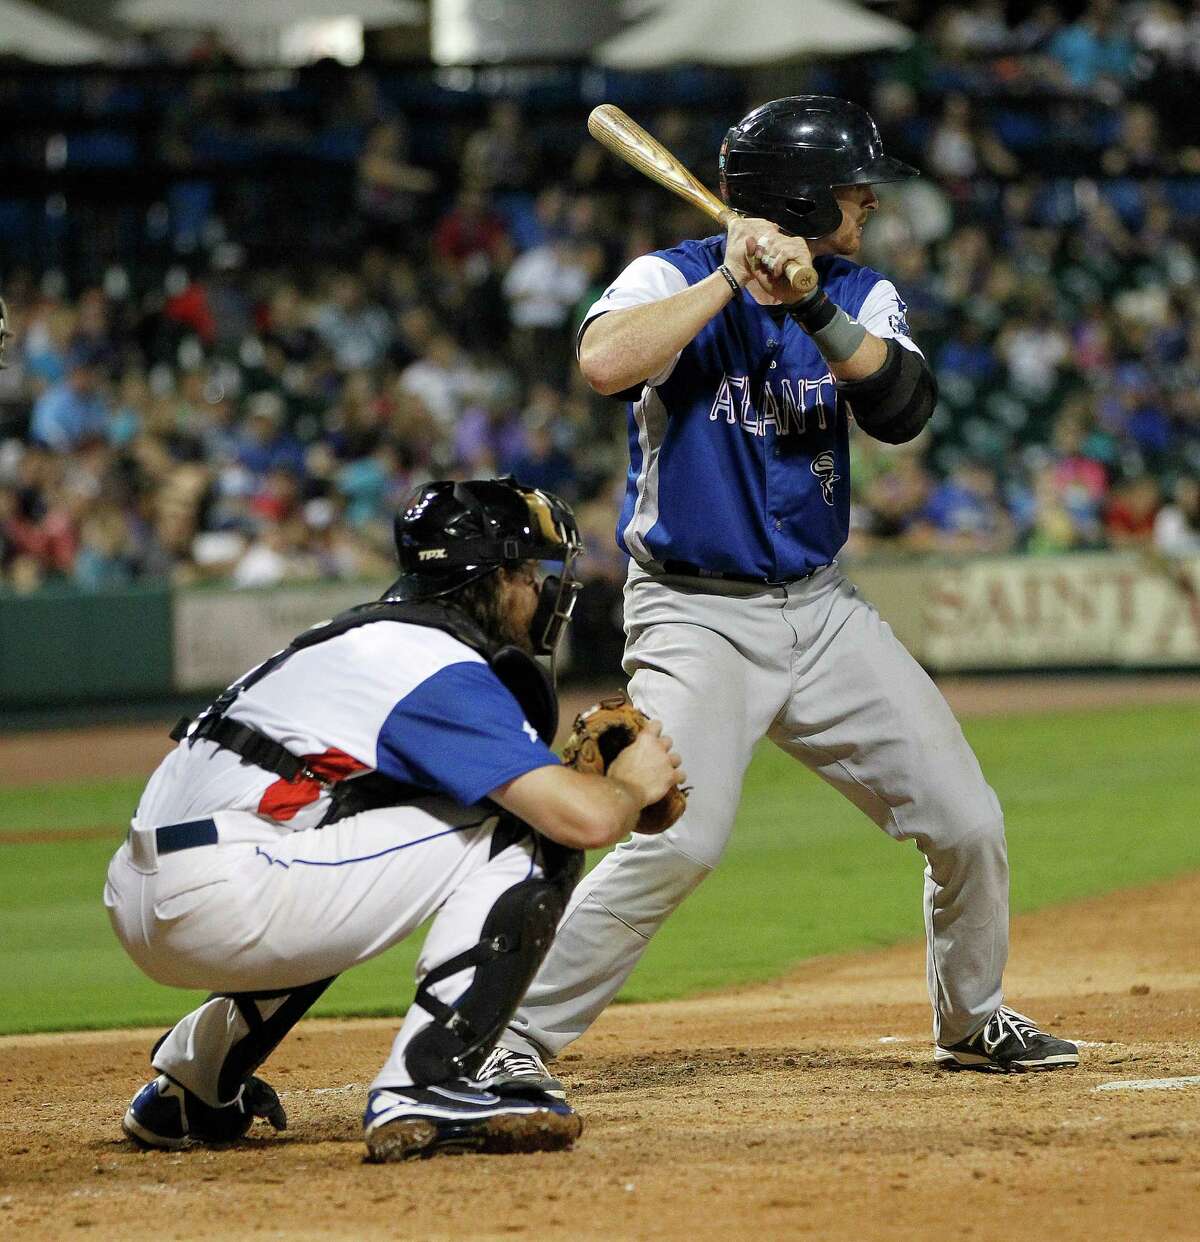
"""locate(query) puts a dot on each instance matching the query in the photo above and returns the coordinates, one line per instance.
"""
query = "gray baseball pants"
(812, 666)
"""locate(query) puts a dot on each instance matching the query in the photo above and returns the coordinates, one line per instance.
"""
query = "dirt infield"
(806, 1109)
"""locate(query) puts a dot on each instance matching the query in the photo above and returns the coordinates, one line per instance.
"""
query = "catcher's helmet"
(5, 334)
(450, 533)
(782, 160)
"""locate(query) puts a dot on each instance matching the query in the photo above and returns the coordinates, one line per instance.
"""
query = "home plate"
(1150, 1084)
(894, 1039)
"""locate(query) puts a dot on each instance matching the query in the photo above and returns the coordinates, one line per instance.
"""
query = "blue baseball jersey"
(739, 455)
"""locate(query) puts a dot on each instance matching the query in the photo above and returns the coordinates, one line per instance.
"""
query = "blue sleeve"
(695, 259)
(460, 732)
(846, 282)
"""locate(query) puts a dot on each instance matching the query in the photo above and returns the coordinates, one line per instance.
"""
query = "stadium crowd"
(249, 410)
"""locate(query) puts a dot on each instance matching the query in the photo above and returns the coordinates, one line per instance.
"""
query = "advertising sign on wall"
(1077, 611)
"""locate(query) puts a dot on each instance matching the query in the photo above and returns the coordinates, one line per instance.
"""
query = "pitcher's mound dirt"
(806, 1109)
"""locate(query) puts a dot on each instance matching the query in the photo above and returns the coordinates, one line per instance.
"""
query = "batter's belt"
(686, 569)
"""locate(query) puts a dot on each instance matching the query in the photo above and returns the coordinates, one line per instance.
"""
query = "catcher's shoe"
(458, 1116)
(165, 1114)
(505, 1071)
(1008, 1043)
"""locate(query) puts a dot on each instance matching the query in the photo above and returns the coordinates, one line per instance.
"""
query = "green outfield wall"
(66, 650)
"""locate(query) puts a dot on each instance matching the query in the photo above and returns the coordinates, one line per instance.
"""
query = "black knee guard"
(514, 940)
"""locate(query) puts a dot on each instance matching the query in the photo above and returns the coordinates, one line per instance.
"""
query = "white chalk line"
(351, 1086)
(1150, 1084)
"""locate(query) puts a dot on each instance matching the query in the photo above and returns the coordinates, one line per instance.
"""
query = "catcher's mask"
(451, 533)
(5, 334)
(782, 160)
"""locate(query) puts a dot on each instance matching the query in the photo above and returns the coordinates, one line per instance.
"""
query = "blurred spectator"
(896, 497)
(276, 555)
(967, 353)
(542, 463)
(357, 332)
(286, 324)
(1138, 150)
(1076, 472)
(958, 149)
(263, 443)
(391, 190)
(1129, 520)
(103, 559)
(543, 287)
(1092, 51)
(1052, 525)
(1034, 347)
(965, 514)
(1177, 525)
(187, 305)
(74, 410)
(471, 237)
(980, 27)
(501, 155)
(442, 378)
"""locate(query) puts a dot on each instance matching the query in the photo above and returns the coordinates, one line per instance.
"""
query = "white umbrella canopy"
(748, 32)
(228, 14)
(26, 30)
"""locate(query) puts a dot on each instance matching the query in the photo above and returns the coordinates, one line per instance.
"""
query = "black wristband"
(731, 278)
(813, 312)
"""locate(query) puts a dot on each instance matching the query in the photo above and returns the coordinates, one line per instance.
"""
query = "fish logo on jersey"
(824, 467)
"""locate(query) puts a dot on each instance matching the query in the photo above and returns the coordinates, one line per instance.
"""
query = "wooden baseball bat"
(623, 136)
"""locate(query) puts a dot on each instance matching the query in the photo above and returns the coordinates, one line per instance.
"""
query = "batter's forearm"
(624, 348)
(866, 360)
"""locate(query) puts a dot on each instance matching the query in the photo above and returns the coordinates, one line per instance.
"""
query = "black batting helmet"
(782, 160)
(451, 533)
(5, 334)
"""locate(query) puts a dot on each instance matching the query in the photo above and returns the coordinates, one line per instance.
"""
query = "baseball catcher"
(387, 766)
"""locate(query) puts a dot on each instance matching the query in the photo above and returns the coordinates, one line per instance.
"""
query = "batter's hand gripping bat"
(626, 138)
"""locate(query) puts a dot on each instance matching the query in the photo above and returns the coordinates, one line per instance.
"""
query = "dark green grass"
(1096, 801)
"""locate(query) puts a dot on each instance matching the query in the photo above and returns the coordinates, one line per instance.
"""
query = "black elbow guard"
(895, 403)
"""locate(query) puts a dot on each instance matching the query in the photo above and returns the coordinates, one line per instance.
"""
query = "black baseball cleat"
(459, 1116)
(166, 1115)
(1008, 1043)
(505, 1071)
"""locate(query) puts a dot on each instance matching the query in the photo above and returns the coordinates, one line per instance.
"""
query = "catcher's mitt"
(599, 736)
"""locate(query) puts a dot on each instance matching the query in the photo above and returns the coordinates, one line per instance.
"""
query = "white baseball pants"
(269, 910)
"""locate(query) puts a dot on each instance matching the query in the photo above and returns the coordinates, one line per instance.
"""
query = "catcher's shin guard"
(514, 940)
(216, 1048)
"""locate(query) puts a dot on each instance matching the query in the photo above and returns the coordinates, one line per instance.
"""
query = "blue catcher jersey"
(738, 451)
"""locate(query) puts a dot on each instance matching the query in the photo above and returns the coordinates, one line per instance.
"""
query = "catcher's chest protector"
(518, 672)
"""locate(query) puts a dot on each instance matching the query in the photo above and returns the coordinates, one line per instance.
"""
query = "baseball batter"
(739, 623)
(388, 766)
